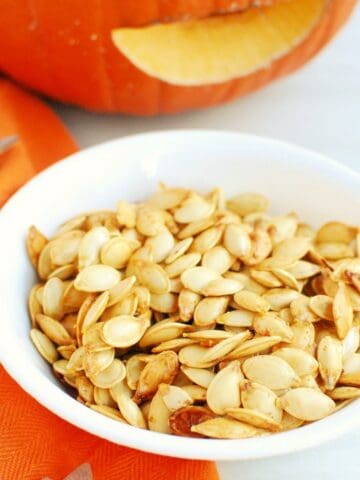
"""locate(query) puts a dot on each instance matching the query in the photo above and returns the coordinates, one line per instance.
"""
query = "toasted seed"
(126, 214)
(260, 398)
(334, 250)
(44, 345)
(280, 298)
(209, 309)
(199, 376)
(301, 361)
(193, 209)
(183, 263)
(162, 331)
(302, 269)
(224, 389)
(271, 371)
(192, 356)
(96, 362)
(64, 272)
(134, 367)
(342, 311)
(247, 203)
(165, 302)
(153, 277)
(187, 302)
(158, 415)
(351, 342)
(271, 324)
(35, 243)
(182, 420)
(352, 379)
(72, 298)
(196, 227)
(221, 286)
(74, 223)
(307, 404)
(162, 369)
(251, 301)
(34, 305)
(110, 376)
(127, 306)
(329, 354)
(351, 363)
(103, 397)
(178, 250)
(237, 240)
(344, 393)
(45, 265)
(267, 279)
(292, 249)
(90, 246)
(149, 220)
(286, 278)
(92, 338)
(124, 330)
(208, 335)
(60, 366)
(195, 279)
(174, 397)
(289, 422)
(161, 245)
(128, 408)
(96, 278)
(236, 318)
(322, 306)
(53, 329)
(168, 198)
(175, 345)
(121, 290)
(76, 361)
(226, 428)
(300, 310)
(335, 232)
(85, 388)
(108, 411)
(95, 311)
(224, 347)
(254, 346)
(207, 239)
(255, 418)
(217, 259)
(116, 252)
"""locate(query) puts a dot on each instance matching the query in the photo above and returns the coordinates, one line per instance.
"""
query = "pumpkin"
(160, 56)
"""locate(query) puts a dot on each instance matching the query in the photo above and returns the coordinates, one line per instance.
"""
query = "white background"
(318, 107)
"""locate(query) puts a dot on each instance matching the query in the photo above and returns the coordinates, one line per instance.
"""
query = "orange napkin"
(34, 443)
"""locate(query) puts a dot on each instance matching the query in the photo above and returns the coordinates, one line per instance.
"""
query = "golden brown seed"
(187, 302)
(149, 220)
(342, 311)
(116, 252)
(158, 416)
(271, 324)
(174, 397)
(307, 404)
(247, 203)
(221, 286)
(162, 331)
(255, 418)
(110, 376)
(43, 345)
(280, 298)
(209, 309)
(35, 242)
(124, 330)
(126, 214)
(301, 361)
(128, 408)
(207, 239)
(237, 318)
(183, 263)
(322, 306)
(260, 398)
(53, 329)
(251, 301)
(254, 346)
(226, 428)
(153, 277)
(96, 278)
(90, 246)
(271, 371)
(217, 259)
(329, 354)
(237, 240)
(162, 369)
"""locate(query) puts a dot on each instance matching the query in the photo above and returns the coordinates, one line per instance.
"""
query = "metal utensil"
(7, 142)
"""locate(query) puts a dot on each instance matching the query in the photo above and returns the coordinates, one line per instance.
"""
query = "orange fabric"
(34, 443)
(43, 139)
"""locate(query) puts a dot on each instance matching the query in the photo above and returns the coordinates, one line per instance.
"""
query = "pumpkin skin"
(64, 50)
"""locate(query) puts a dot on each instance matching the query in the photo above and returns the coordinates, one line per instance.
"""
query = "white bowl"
(130, 168)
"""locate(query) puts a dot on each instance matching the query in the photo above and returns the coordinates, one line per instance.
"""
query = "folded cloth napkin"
(34, 443)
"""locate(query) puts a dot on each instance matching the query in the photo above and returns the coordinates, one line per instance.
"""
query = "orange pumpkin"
(160, 56)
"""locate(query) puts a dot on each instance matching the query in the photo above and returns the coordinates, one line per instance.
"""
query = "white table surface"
(318, 107)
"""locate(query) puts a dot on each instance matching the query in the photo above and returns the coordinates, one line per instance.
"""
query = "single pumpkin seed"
(54, 330)
(271, 371)
(247, 203)
(96, 362)
(307, 404)
(271, 324)
(226, 428)
(175, 345)
(254, 346)
(96, 278)
(344, 393)
(187, 302)
(108, 411)
(199, 376)
(162, 331)
(255, 418)
(342, 311)
(90, 246)
(158, 416)
(217, 259)
(209, 309)
(301, 361)
(237, 240)
(161, 245)
(329, 354)
(224, 389)
(221, 286)
(124, 330)
(257, 397)
(110, 376)
(128, 408)
(236, 318)
(149, 220)
(195, 279)
(280, 298)
(224, 347)
(251, 301)
(95, 311)
(174, 397)
(44, 345)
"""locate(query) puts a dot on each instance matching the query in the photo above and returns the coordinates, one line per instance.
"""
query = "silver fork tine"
(7, 142)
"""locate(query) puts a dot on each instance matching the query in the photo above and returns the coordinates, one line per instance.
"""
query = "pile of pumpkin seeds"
(192, 315)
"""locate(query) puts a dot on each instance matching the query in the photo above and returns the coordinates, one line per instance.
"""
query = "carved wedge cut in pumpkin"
(219, 48)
